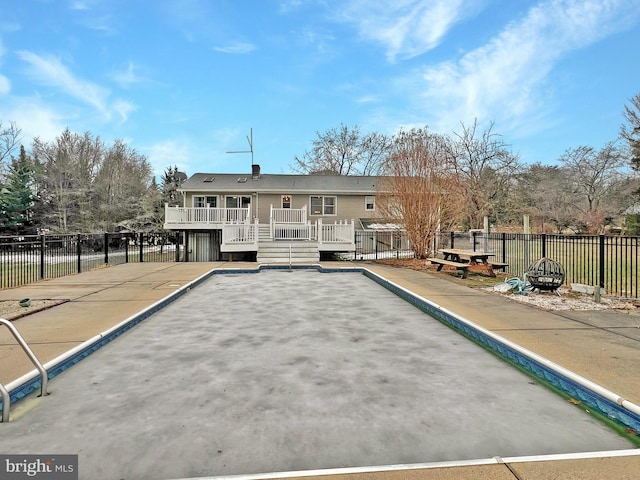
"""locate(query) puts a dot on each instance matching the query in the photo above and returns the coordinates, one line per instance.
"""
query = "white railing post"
(271, 232)
(256, 231)
(319, 232)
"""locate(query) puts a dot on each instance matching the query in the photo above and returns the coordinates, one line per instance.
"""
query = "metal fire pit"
(545, 274)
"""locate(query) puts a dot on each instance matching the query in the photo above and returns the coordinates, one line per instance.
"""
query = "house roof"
(281, 183)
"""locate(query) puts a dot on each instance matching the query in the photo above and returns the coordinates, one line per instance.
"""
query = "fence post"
(106, 248)
(126, 248)
(141, 248)
(504, 247)
(42, 245)
(543, 237)
(376, 242)
(452, 235)
(601, 267)
(79, 250)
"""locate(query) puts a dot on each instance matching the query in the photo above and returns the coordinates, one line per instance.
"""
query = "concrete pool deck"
(602, 347)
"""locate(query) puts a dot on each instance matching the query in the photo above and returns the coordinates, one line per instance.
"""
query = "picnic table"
(476, 261)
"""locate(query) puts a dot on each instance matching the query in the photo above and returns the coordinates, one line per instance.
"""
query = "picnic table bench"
(458, 265)
(498, 265)
(477, 261)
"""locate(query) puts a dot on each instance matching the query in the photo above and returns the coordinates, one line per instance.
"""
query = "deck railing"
(237, 234)
(341, 232)
(289, 215)
(205, 215)
(293, 231)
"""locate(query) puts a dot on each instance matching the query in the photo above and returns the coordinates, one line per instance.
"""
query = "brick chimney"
(255, 171)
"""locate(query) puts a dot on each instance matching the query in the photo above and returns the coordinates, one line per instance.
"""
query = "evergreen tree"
(172, 178)
(18, 194)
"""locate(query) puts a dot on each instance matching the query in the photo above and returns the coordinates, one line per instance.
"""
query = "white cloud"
(79, 5)
(169, 153)
(123, 109)
(508, 75)
(406, 28)
(127, 77)
(237, 48)
(50, 71)
(189, 156)
(367, 99)
(287, 6)
(9, 27)
(5, 85)
(34, 119)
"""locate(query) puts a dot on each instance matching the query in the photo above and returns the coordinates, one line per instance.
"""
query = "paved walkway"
(601, 346)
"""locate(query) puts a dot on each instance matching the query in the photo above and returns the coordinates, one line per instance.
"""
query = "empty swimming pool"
(293, 370)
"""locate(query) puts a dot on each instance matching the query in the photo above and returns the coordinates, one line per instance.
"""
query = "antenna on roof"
(250, 140)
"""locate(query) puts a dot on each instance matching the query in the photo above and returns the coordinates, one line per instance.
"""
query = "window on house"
(370, 202)
(323, 205)
(201, 201)
(286, 201)
(239, 201)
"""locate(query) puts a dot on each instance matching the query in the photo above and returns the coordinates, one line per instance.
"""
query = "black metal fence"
(611, 262)
(27, 259)
(608, 261)
(380, 244)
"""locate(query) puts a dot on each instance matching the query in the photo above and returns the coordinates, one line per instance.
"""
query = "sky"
(184, 82)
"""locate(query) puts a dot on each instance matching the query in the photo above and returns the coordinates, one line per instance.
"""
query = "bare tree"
(121, 183)
(545, 194)
(70, 164)
(421, 188)
(10, 136)
(631, 130)
(594, 177)
(485, 165)
(344, 151)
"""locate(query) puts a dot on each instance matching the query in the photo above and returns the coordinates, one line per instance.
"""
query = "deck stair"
(279, 251)
(264, 232)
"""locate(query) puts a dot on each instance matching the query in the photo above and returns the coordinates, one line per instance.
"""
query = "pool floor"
(293, 370)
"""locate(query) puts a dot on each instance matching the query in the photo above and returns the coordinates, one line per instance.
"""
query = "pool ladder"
(4, 393)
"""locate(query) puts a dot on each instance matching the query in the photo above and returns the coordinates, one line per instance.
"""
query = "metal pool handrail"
(6, 400)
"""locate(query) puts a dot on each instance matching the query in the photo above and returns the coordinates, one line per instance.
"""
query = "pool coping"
(421, 466)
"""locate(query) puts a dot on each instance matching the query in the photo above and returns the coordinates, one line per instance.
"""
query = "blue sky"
(183, 82)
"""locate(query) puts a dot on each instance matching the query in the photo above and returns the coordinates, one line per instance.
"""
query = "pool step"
(278, 252)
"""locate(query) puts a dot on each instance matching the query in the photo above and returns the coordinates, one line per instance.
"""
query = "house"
(271, 218)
